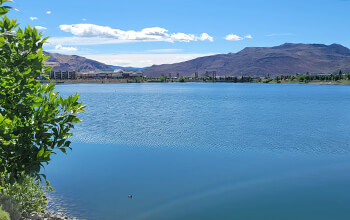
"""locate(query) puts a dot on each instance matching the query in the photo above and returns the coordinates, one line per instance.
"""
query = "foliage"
(182, 79)
(29, 195)
(4, 215)
(267, 80)
(10, 206)
(163, 78)
(34, 120)
(138, 79)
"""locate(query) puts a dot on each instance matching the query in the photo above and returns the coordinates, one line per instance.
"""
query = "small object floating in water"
(130, 196)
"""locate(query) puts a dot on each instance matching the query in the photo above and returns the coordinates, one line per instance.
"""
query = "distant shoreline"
(122, 81)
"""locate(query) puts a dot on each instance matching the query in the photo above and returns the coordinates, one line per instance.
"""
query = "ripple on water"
(212, 118)
(226, 116)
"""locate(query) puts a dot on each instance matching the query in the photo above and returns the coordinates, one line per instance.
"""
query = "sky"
(142, 33)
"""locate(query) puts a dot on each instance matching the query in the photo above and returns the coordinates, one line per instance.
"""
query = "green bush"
(11, 207)
(4, 215)
(163, 78)
(28, 196)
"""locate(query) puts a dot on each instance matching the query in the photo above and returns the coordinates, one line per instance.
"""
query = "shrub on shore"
(4, 215)
(10, 206)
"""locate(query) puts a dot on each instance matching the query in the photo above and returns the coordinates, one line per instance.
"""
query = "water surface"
(207, 151)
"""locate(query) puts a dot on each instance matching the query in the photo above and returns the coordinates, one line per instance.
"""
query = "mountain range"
(259, 61)
(252, 61)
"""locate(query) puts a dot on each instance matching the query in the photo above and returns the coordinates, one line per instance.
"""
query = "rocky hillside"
(73, 62)
(259, 61)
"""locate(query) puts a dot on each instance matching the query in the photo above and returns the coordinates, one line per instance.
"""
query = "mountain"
(258, 61)
(73, 62)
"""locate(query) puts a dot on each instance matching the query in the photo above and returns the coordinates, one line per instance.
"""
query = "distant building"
(323, 74)
(196, 75)
(129, 74)
(109, 74)
(61, 75)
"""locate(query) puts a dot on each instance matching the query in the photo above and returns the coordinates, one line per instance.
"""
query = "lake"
(206, 151)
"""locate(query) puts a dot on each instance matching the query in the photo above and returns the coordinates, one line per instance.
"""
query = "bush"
(28, 196)
(163, 78)
(10, 206)
(4, 215)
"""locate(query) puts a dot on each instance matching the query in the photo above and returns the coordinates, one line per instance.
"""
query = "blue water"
(207, 151)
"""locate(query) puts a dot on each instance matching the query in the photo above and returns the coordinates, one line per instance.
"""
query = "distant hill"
(258, 61)
(73, 62)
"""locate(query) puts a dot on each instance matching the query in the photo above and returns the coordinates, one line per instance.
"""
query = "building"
(109, 74)
(128, 74)
(62, 75)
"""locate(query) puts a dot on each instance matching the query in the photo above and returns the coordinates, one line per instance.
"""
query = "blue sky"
(141, 33)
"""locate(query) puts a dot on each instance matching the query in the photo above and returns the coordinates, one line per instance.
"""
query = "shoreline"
(122, 81)
(48, 215)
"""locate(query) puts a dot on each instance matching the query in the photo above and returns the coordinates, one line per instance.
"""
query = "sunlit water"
(207, 151)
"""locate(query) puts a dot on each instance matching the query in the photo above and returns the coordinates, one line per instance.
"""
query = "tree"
(163, 78)
(35, 121)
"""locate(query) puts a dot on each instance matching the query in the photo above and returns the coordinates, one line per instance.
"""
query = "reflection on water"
(207, 151)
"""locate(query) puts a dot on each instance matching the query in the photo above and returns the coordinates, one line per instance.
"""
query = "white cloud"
(165, 50)
(48, 12)
(40, 28)
(121, 36)
(234, 37)
(183, 37)
(33, 18)
(205, 37)
(142, 60)
(62, 49)
(84, 19)
(248, 36)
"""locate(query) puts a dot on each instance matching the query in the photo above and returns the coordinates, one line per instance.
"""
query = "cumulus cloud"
(205, 37)
(40, 28)
(183, 37)
(33, 18)
(48, 12)
(121, 36)
(60, 48)
(234, 37)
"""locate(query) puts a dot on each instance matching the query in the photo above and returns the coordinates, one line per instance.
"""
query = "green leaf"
(41, 152)
(63, 150)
